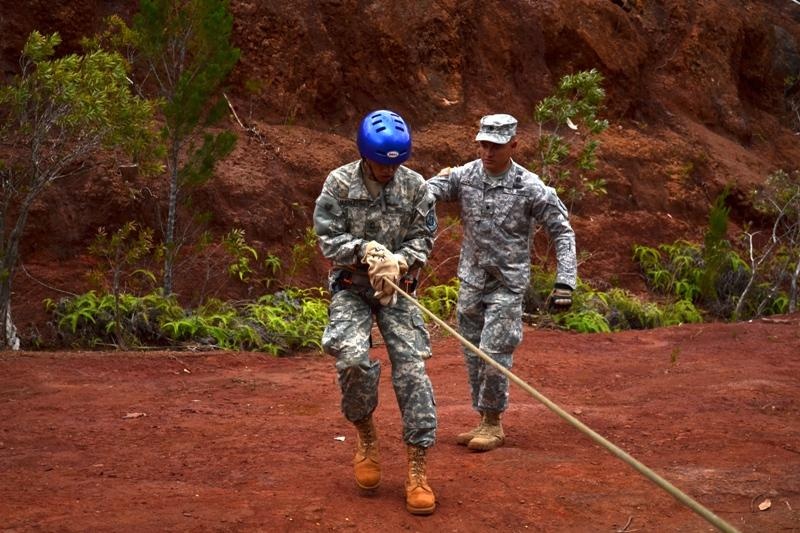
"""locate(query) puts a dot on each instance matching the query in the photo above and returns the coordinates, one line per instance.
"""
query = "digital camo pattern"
(400, 218)
(347, 337)
(403, 219)
(498, 221)
(491, 319)
(498, 129)
(498, 218)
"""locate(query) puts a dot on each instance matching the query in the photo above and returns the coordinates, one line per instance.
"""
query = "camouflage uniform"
(401, 218)
(494, 268)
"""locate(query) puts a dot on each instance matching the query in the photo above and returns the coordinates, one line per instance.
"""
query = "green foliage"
(236, 245)
(88, 320)
(779, 199)
(272, 265)
(575, 105)
(294, 318)
(119, 253)
(679, 273)
(539, 288)
(681, 312)
(626, 311)
(186, 45)
(714, 276)
(227, 257)
(54, 115)
(70, 106)
(183, 49)
(716, 248)
(584, 322)
(441, 299)
(303, 251)
(287, 321)
(615, 310)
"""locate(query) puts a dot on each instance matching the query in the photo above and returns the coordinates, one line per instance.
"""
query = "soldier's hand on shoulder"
(444, 172)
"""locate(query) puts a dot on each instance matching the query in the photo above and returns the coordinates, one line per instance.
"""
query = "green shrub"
(586, 321)
(441, 299)
(290, 320)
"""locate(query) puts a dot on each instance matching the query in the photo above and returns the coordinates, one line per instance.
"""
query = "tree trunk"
(170, 246)
(10, 340)
(793, 289)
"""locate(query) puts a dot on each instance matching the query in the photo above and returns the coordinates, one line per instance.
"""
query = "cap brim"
(493, 138)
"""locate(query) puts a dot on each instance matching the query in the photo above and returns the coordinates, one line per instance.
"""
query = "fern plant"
(586, 321)
(441, 300)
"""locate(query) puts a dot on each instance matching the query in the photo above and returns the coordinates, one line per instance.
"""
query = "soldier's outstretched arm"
(552, 213)
(444, 185)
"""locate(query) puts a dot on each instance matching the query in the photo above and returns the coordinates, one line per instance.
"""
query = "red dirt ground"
(246, 442)
(697, 101)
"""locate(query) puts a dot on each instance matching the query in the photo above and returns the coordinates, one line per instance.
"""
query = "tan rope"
(583, 428)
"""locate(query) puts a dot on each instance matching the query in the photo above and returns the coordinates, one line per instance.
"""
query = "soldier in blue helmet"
(375, 221)
(500, 203)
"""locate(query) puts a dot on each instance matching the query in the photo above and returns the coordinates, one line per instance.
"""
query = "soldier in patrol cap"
(500, 203)
(375, 220)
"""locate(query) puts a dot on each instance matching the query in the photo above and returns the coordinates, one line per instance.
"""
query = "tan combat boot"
(490, 436)
(366, 463)
(463, 438)
(419, 495)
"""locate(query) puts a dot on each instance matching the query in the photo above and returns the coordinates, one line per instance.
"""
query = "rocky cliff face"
(696, 98)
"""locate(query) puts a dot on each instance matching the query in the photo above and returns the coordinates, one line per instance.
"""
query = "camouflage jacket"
(402, 217)
(498, 221)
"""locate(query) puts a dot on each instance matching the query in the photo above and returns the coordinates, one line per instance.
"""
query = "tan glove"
(383, 265)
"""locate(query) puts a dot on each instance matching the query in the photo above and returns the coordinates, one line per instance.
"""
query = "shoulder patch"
(431, 223)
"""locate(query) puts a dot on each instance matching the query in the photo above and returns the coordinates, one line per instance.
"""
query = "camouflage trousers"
(347, 337)
(491, 319)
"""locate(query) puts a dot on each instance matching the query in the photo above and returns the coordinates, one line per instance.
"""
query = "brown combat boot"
(463, 439)
(420, 499)
(366, 463)
(490, 436)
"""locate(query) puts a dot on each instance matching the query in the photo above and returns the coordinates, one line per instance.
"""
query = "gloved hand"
(560, 299)
(383, 265)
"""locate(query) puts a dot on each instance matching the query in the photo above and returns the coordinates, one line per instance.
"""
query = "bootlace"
(367, 437)
(417, 469)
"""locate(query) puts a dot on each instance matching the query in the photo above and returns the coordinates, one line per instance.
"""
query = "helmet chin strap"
(374, 187)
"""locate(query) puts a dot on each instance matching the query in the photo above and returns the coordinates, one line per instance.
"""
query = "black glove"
(560, 299)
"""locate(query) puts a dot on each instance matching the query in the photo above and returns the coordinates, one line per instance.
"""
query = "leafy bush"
(441, 299)
(586, 321)
(88, 320)
(615, 310)
(714, 276)
(290, 320)
(574, 105)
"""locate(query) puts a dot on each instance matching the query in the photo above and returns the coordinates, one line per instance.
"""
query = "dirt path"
(245, 442)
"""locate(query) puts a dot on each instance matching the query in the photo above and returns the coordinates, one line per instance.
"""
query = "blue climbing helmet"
(384, 137)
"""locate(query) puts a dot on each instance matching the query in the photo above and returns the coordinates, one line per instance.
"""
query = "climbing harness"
(580, 426)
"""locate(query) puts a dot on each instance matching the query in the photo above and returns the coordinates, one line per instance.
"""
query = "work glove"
(383, 265)
(560, 299)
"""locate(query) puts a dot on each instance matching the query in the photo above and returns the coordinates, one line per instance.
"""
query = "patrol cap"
(498, 129)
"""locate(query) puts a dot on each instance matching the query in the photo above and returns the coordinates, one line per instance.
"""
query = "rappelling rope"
(583, 428)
